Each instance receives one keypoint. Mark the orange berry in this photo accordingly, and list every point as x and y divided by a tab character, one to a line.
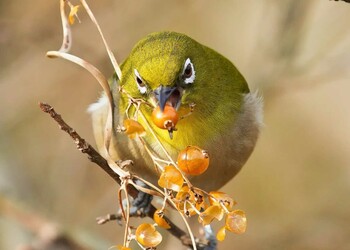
132	128
236	222
147	235
220	236
166	119
158	218
211	213
171	178
217	197
193	160
183	199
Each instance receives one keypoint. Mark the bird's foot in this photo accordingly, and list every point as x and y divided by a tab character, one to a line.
140	206
210	237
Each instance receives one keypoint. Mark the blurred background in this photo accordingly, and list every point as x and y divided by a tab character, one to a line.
295	187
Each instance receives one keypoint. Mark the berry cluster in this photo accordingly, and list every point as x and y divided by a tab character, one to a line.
186	198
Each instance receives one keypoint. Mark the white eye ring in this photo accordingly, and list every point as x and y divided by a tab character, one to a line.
139	82
188	73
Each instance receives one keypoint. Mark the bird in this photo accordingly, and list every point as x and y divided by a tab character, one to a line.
219	112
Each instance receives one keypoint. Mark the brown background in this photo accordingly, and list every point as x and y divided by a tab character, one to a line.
295	188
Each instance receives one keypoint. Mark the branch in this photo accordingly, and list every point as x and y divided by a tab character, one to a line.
348	1
95	157
82	145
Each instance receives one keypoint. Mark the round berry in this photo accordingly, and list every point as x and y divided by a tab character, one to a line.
193	160
166	119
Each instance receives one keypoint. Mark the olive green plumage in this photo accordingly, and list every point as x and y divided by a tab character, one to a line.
226	118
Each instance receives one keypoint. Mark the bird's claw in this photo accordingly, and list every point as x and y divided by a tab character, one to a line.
142	203
210	237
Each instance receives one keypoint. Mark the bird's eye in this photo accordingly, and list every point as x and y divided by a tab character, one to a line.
140	82
188	73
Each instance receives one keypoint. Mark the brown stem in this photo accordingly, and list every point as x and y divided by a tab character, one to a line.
95	157
348	1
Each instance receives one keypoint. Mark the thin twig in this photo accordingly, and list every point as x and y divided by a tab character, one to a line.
67	33
95	157
109	51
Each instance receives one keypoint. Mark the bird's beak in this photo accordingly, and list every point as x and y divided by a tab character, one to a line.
170	95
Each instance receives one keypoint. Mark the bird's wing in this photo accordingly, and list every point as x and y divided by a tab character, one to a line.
99	111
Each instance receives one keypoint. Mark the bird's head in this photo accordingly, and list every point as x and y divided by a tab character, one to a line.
169	68
162	69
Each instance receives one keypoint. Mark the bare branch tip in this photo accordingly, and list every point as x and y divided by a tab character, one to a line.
45	107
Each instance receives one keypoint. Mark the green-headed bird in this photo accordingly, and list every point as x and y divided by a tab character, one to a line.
168	68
